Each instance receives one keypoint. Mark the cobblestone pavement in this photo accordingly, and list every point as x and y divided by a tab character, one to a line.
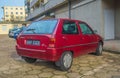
86	66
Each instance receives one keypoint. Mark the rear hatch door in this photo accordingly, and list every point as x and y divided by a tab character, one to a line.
37	42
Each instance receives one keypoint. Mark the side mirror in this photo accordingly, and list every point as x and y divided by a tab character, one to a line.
95	31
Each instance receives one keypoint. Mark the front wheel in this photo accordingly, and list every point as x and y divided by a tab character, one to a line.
65	61
29	60
99	49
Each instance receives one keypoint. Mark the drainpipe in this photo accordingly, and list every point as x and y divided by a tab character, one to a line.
69	8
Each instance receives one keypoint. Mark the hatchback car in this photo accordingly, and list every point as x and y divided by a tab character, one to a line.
58	40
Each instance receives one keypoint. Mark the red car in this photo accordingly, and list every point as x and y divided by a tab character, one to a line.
58	40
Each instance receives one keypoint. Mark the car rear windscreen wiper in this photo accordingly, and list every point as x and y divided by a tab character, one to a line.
33	30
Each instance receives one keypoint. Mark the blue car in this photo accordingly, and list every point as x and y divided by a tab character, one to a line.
11	32
17	32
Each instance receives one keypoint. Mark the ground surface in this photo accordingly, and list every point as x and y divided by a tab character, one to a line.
86	66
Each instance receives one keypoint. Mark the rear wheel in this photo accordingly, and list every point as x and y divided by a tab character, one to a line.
29	60
65	61
99	49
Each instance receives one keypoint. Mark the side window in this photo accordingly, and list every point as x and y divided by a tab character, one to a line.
69	28
85	29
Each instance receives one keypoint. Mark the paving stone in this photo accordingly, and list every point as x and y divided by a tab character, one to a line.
34	72
59	72
73	75
102	75
83	72
75	62
84	65
30	76
10	72
89	73
111	61
114	73
37	67
110	69
83	61
89	76
17	76
59	76
25	69
117	66
48	69
3	76
76	70
45	75
86	68
3	68
15	67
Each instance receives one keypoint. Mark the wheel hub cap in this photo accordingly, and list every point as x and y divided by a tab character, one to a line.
67	60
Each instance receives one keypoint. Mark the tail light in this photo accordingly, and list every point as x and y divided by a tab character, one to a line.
52	42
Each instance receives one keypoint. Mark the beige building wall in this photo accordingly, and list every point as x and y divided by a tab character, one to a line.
14	13
4	28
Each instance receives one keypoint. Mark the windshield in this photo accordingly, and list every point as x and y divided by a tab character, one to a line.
41	27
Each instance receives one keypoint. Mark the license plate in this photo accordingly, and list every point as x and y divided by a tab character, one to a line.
33	42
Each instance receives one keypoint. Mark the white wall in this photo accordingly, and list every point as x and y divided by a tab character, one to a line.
62	12
90	13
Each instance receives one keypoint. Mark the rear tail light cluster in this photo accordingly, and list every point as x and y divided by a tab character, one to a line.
52	42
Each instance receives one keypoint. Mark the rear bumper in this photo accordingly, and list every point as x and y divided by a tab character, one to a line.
51	54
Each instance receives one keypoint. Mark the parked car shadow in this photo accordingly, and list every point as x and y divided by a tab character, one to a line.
44	63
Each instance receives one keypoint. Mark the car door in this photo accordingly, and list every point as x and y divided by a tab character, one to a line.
71	37
89	38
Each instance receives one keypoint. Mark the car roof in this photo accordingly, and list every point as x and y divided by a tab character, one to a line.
68	19
60	19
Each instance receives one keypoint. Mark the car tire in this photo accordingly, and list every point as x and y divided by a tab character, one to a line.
99	49
29	60
65	61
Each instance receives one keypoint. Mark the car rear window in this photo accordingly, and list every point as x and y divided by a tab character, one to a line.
41	27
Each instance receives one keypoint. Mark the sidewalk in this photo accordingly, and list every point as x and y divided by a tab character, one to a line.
112	46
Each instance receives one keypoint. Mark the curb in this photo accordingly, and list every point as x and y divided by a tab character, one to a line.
112	51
